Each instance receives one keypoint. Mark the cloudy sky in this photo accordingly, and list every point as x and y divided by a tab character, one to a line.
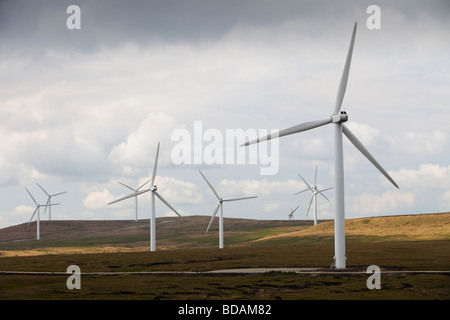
81	110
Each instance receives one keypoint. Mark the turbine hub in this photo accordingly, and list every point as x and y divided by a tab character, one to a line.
339	117
154	188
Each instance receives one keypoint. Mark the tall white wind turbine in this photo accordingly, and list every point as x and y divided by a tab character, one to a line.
220	205
49	200
154	193
38	220
135	197
315	191
337	118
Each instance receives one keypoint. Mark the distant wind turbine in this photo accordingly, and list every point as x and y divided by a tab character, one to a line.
337	118
291	215
135	197
314	191
154	192
220	205
38	206
49	200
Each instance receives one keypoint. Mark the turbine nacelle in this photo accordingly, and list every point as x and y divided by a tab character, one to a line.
154	188
340	117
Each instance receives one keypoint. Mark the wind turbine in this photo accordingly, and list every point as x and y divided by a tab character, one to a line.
154	192
135	197
49	200
220	205
38	206
314	191
337	118
291	215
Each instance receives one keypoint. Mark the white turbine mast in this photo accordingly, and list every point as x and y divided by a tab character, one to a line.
291	215
337	119
154	193
37	209
315	191
135	197
49	200
220	205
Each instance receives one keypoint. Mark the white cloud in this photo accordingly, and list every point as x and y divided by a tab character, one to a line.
176	191
424	189
23	212
370	137
426	176
139	150
98	199
368	204
426	143
253	187
271	206
445	200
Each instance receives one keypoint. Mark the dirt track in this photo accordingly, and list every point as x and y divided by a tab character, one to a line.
243	271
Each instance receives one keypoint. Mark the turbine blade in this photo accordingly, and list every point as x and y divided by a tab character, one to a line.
323	195
210	186
166	203
212	217
57	194
34	200
34	212
306	183
155	166
301	191
143	184
315	176
295	129
236	199
294	210
42	189
47	204
320	191
353	139
309	207
134	194
345	72
127	186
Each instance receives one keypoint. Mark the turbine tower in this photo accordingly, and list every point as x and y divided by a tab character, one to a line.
154	193
220	205
135	197
315	190
37	209
49	201
337	119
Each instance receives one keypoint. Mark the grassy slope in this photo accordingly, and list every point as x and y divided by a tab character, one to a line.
59	237
113	236
400	228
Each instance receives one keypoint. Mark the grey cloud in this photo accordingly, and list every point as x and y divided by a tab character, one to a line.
41	24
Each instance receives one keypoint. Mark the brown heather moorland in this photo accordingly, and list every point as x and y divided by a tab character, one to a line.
400	244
